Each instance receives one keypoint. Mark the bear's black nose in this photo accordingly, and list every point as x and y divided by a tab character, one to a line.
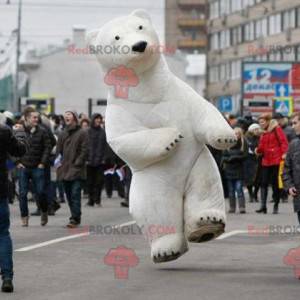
139	47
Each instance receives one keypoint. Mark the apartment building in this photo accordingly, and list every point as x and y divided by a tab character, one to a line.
185	25
243	31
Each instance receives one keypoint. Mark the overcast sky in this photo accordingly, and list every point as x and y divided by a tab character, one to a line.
45	21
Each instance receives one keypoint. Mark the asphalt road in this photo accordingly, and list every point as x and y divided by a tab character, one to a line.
246	263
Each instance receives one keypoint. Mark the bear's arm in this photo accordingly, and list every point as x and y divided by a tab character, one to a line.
210	126
136	144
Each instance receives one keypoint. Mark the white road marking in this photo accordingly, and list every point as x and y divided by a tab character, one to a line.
70	237
51	242
75	236
231	233
126	224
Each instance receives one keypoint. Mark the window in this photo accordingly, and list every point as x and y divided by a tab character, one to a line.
261	28
235	66
289	19
213	74
278	56
275	24
249	31
264	57
214	10
224	39
214	41
236	5
288	53
222	72
236	35
225	7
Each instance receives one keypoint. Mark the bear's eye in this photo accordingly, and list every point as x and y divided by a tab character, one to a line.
141	27
117	37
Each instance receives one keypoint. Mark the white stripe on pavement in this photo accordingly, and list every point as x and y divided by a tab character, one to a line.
75	236
51	242
231	233
126	224
62	239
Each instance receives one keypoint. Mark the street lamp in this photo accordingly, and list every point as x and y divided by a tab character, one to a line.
16	91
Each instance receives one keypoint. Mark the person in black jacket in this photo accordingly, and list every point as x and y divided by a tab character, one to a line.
32	167
233	164
95	162
291	173
252	163
15	146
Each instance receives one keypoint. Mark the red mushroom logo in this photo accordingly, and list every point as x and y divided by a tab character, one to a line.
121	78
121	258
293	259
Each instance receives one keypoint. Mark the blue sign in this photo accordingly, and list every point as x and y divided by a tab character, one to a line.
284	105
225	104
282	90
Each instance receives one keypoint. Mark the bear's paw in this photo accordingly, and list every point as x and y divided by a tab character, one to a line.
168	247
223	143
207	226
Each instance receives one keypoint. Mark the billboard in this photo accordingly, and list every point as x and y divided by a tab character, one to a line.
270	86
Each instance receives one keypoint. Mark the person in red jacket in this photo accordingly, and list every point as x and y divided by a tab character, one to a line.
273	146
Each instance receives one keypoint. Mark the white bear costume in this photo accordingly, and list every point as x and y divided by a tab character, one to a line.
161	131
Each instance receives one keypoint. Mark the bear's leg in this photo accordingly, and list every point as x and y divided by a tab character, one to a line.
157	206
204	204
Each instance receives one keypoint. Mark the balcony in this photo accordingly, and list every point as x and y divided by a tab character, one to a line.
192	44
190	22
192	3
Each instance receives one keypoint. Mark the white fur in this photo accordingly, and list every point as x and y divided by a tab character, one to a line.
180	187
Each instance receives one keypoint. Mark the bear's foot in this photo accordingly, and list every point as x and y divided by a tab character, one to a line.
168	247
208	226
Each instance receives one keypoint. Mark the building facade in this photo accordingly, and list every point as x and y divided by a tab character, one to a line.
185	25
241	31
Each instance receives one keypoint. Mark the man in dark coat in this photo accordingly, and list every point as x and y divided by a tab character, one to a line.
32	167
95	162
14	145
72	151
291	173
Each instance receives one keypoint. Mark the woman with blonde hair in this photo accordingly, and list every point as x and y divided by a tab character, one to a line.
233	165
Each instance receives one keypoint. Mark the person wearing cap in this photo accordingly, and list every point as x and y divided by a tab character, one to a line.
284	124
95	162
252	163
273	146
291	172
71	157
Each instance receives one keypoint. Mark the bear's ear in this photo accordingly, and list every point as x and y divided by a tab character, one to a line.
141	13
91	36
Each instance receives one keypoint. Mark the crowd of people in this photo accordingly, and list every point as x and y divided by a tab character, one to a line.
60	157
267	153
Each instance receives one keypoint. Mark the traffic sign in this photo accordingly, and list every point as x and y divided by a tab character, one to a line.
284	105
225	104
282	90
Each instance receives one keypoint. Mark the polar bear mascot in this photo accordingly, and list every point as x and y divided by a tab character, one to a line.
160	126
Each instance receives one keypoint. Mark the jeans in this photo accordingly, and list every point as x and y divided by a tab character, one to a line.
298	213
73	193
37	177
6	262
235	186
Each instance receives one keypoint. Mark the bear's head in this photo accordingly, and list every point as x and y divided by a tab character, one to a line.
129	41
